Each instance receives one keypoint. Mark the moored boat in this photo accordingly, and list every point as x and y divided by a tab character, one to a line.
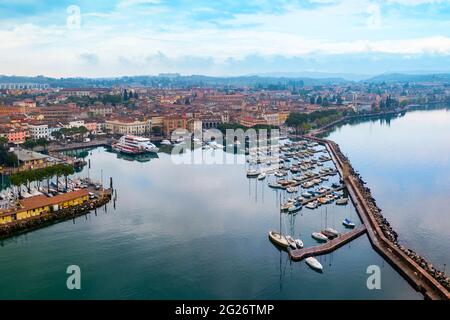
262	176
348	223
278	239
319	237
342	201
299	243
314	263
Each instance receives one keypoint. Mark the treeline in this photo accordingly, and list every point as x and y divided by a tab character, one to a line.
306	121
25	178
223	127
7	159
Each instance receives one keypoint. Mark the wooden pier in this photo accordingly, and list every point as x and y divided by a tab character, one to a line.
328	247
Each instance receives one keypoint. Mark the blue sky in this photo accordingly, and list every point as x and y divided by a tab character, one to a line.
229	37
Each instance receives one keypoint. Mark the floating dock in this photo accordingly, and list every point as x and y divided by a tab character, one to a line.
328	247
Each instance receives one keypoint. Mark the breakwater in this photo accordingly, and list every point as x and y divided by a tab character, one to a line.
425	278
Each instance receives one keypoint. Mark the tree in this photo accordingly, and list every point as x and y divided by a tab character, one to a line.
156	130
67	171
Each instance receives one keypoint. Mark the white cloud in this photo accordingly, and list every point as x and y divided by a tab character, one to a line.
417	2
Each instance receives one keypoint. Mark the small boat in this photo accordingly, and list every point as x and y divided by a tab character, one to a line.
342	202
311	205
296	207
299	243
278	239
330	234
332	231
166	143
291	190
262	176
319	237
275	185
348	223
292	243
287	205
252	173
314	263
306	194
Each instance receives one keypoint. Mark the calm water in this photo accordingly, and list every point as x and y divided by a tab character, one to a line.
188	232
406	163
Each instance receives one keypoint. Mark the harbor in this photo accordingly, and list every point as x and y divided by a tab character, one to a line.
432	283
198	235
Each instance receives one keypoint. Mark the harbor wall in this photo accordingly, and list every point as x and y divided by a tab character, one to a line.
420	274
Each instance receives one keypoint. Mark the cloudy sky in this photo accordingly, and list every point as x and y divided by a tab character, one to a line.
222	37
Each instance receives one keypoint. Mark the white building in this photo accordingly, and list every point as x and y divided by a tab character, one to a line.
75	124
128	127
38	131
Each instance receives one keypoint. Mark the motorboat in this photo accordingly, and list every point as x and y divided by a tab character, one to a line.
291	241
291	190
319	237
348	223
278	239
342	201
312	205
275	185
314	263
262	176
299	243
287	205
166	143
306	194
332	231
252	173
296	207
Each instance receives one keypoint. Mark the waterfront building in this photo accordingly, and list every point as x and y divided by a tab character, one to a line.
251	122
127	126
194	125
41	204
172	123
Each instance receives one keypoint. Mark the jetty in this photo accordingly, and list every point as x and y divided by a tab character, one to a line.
329	246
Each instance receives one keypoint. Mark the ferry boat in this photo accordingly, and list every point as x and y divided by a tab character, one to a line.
134	145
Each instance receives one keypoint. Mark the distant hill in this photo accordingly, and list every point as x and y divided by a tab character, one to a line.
274	83
269	81
401	77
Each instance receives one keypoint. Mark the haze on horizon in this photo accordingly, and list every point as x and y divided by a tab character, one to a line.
223	38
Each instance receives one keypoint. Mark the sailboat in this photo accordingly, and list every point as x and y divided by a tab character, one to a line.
277	238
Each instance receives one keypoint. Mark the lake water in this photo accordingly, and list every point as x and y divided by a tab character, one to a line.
200	232
406	163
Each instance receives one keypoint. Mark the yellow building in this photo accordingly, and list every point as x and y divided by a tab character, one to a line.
38	205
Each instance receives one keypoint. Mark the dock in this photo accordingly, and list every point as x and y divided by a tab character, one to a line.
329	246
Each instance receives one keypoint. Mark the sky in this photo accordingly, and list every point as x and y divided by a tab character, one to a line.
108	38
